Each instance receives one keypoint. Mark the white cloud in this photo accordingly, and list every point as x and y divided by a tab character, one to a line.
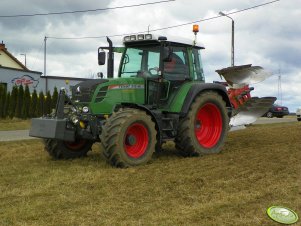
268	36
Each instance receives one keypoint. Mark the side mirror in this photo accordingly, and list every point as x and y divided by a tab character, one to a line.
167	52
101	57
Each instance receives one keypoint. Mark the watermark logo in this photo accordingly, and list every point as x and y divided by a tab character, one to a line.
282	215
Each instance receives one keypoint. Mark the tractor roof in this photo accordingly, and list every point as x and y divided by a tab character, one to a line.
150	38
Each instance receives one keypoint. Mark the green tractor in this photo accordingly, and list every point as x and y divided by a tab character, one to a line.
160	95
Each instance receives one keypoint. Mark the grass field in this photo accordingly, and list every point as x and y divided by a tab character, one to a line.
14	124
258	167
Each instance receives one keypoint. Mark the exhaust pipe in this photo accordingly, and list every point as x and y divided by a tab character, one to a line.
110	70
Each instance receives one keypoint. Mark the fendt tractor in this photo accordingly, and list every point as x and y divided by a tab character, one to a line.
160	95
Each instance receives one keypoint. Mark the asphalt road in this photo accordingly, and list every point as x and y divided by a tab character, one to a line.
264	120
23	134
14	135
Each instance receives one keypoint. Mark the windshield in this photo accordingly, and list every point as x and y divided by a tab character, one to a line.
140	61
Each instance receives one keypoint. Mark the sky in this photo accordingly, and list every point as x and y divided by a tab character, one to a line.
267	36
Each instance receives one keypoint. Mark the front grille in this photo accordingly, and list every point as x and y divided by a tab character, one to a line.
86	89
101	94
83	96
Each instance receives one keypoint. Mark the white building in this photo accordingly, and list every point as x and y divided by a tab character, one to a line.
13	72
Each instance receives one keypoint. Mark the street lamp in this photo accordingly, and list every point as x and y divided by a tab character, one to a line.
24	54
232	41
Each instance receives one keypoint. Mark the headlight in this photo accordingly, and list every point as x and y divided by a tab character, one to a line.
148	36
140	37
78	90
73	109
85	109
126	39
74	119
133	38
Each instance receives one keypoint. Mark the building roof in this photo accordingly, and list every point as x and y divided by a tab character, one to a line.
14	59
17	69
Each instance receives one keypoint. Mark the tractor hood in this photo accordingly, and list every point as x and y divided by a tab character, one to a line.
83	91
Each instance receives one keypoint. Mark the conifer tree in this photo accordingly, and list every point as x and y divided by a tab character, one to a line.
54	98
6	106
33	105
47	108
2	100
40	107
26	103
4	94
19	104
13	101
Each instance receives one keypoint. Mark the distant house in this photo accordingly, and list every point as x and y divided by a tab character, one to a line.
13	72
8	60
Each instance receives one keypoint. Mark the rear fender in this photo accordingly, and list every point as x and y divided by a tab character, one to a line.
196	89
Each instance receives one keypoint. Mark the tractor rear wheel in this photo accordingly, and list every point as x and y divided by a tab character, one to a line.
129	138
59	149
205	127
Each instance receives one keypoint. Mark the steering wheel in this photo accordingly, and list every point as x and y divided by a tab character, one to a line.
155	69
143	74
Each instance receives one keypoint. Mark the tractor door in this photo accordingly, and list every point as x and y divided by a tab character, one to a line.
144	61
157	88
176	70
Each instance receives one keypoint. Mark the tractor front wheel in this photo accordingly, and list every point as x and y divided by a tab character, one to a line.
129	138
59	149
205	127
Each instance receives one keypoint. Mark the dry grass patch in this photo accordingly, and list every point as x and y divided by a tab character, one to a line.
14	124
258	167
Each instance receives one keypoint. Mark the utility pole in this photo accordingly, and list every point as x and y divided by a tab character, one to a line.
279	87
46	82
232	37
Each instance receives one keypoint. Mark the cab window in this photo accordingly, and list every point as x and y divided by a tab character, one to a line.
198	72
131	62
177	68
141	62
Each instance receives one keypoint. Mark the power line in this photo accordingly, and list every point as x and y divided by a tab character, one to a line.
84	11
169	27
215	17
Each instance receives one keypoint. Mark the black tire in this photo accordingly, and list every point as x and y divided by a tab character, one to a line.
196	134
59	149
270	115
129	138
299	119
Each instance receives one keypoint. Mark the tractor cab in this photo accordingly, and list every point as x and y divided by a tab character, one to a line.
164	64
159	57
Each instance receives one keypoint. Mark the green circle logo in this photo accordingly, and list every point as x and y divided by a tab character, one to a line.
282	215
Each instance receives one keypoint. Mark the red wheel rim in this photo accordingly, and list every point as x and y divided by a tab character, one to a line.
208	125
136	140
76	145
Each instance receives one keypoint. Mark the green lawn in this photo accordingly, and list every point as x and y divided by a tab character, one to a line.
258	167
